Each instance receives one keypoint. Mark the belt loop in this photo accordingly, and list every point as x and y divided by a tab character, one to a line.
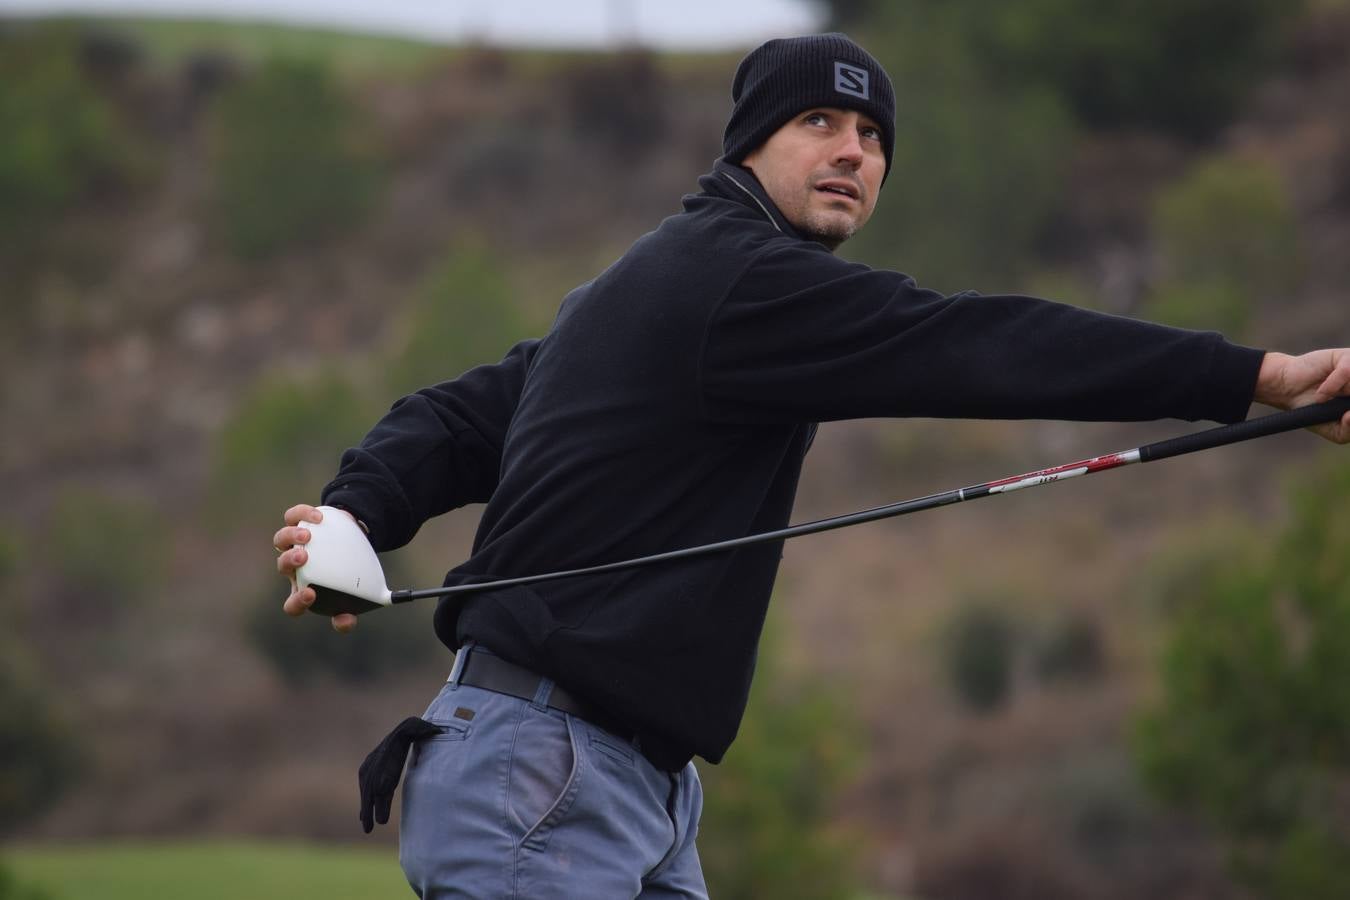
461	659
541	694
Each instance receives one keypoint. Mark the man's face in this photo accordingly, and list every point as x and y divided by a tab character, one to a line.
823	170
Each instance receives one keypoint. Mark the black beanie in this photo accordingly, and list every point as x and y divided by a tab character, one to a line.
787	76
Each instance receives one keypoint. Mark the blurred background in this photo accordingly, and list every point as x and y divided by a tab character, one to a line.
228	244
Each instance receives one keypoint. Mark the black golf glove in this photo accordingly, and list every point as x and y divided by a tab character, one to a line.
383	767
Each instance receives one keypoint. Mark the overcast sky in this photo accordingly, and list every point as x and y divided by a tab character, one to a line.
661	23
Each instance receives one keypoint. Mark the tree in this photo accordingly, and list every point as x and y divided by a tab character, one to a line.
61	137
38	760
1253	728
979	161
766	828
293	161
463	315
1183	68
1229	240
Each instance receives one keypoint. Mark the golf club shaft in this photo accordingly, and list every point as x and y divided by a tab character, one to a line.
1223	435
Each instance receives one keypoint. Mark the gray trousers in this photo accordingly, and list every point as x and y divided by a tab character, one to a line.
516	800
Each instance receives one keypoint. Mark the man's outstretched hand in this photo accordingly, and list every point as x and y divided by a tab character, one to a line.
1288	382
289	542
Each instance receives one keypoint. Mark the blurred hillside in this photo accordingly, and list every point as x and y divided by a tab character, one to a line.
221	259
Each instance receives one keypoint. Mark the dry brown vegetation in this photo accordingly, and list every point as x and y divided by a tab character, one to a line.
141	335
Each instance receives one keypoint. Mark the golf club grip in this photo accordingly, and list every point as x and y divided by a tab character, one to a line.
1290	420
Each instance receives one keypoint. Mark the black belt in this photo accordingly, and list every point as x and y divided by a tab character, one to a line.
492	673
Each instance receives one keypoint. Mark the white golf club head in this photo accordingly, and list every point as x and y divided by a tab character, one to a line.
343	569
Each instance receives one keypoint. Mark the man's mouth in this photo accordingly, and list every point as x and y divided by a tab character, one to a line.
838	187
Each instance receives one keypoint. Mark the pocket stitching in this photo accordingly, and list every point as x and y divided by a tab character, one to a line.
536	838
454	730
612	750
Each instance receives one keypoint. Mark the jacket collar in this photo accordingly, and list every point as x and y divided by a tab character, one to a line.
739	184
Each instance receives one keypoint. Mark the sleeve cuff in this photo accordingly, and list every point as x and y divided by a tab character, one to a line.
363	500
1230	384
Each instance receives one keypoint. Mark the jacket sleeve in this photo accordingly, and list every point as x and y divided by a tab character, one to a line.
435	450
805	336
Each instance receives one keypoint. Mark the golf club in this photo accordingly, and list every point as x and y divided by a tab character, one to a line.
347	577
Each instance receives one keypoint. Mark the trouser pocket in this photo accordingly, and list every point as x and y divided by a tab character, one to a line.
543	777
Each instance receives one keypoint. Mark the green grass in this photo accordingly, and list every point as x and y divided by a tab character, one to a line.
168	41
208	871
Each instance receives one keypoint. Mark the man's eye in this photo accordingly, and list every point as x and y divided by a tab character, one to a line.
815	119
872	134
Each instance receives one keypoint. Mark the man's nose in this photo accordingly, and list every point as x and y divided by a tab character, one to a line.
848	150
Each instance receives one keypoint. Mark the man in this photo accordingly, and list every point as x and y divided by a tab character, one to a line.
671	404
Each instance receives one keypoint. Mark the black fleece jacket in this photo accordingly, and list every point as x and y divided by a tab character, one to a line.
672	403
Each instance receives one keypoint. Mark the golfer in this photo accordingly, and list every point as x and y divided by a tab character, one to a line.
671	404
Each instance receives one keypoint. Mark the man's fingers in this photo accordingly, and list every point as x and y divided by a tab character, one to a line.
302	512
289	542
299	602
1335	384
288	537
1332	365
1341	430
1337	432
290	560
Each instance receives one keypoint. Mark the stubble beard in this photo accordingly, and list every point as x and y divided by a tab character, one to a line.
828	230
828	227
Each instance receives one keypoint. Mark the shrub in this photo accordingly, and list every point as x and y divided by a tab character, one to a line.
1065	286
38	760
988	99
618	102
462	316
1229	220
1228	240
11	552
1016	863
385	642
1253	727
107	552
1070	650
1183	68
765	830
1184	569
1221	674
1309	864
847	14
283	441
1180	67
60	136
978	656
1105	813
1208	307
978	165
292	160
